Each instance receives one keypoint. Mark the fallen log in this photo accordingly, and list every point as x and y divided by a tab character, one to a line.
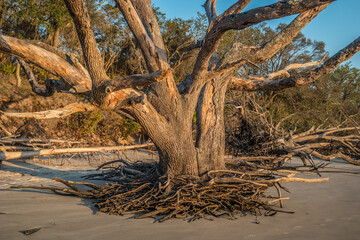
4	156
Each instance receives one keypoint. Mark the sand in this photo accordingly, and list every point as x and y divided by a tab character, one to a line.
328	210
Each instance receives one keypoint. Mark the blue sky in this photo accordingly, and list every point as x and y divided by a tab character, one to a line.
337	25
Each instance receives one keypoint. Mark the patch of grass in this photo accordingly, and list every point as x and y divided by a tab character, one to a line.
8	68
82	124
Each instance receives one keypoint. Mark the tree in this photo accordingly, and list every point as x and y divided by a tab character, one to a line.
165	110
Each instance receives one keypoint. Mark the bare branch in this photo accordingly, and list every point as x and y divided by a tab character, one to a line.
138	80
210	9
49	61
235	8
138	29
143	23
48	114
287	35
275	85
241	21
4	156
50	84
94	62
149	20
273	11
284	72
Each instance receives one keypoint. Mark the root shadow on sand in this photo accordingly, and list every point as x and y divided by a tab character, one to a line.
137	189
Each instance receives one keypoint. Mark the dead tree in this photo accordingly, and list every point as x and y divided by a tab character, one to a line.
165	110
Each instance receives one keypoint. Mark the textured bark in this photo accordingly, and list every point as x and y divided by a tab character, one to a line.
148	19
49	61
240	21
56	36
94	62
164	110
50	84
268	84
210	136
172	138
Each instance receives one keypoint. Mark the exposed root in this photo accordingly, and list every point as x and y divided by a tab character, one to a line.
140	191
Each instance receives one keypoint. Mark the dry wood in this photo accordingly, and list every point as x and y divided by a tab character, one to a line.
47	60
262	84
51	85
164	112
147	45
81	18
184	196
4	156
62	112
240	21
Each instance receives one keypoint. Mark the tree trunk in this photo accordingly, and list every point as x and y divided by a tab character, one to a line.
210	136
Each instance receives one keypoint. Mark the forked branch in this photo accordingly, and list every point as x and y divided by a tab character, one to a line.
258	54
240	21
146	44
50	84
268	84
48	60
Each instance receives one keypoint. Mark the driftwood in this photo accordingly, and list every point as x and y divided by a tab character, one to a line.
4	156
266	142
48	114
325	144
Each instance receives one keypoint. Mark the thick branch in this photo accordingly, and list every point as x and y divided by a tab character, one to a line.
146	44
143	24
149	20
274	85
94	62
138	80
235	8
49	61
241	21
287	35
210	9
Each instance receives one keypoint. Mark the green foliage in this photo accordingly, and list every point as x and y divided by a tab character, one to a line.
32	19
84	124
8	68
327	102
178	33
127	127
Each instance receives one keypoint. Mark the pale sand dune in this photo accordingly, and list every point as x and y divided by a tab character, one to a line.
322	211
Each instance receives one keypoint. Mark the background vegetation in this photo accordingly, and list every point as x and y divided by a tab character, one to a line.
332	100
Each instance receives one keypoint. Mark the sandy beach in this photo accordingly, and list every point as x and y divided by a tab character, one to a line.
328	210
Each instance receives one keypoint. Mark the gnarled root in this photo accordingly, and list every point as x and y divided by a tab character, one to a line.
139	190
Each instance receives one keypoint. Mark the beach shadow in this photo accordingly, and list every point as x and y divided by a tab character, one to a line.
90	204
42	171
